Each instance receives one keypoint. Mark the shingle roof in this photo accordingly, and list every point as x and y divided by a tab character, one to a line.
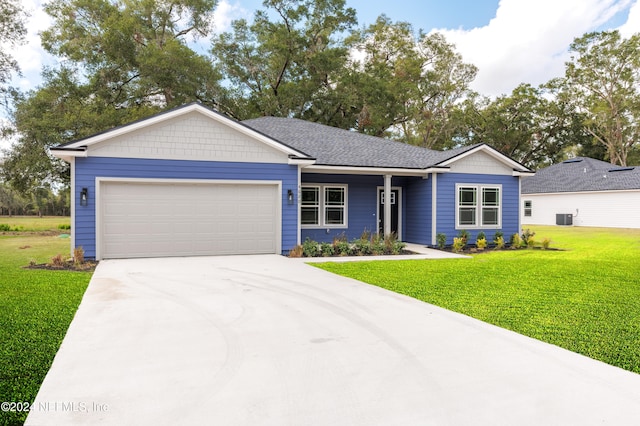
338	147
582	174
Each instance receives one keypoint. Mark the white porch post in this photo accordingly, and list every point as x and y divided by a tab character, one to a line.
387	204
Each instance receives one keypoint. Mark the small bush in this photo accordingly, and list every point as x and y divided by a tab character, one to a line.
361	247
378	244
498	234
58	261
499	242
78	255
516	242
392	245
326	249
341	245
458	244
481	243
309	248
297	251
481	236
5	227
64	226
527	234
546	242
441	239
530	242
464	235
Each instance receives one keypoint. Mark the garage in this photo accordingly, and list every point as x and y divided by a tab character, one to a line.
145	218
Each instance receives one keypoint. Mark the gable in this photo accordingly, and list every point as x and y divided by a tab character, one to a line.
480	162
191	136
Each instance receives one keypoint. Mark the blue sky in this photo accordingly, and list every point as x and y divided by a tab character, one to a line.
510	41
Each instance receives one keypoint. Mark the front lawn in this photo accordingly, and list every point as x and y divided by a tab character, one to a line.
585	299
36	307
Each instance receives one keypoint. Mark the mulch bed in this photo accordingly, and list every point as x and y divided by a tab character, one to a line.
86	266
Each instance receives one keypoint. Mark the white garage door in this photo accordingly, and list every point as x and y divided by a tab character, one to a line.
140	219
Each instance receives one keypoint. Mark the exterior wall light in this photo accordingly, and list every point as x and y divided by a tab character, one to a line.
84	196
290	196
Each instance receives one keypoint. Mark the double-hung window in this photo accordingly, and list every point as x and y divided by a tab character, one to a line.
478	206
324	206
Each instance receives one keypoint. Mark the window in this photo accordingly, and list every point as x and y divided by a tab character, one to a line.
323	206
527	208
310	209
478	206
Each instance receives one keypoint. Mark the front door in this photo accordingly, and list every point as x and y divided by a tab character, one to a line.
395	203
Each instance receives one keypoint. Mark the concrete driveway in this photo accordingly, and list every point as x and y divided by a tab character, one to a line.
266	340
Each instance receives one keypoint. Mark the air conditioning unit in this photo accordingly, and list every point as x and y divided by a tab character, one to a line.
565	219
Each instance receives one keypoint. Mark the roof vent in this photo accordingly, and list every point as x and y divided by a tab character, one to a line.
572	160
622	169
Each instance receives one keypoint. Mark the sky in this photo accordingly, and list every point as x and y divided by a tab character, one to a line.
510	41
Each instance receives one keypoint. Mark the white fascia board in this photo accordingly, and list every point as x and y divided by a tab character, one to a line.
354	170
602	191
523	174
67	154
301	161
128	128
490	151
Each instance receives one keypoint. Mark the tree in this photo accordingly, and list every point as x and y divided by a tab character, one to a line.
285	63
603	80
531	125
12	31
122	60
408	86
135	51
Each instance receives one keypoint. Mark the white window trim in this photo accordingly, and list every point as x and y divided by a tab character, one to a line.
321	213
478	188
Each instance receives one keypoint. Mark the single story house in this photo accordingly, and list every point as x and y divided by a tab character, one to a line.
583	191
191	181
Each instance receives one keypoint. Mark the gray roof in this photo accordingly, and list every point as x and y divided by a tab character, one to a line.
338	147
582	174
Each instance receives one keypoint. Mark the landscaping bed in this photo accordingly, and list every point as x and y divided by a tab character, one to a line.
367	245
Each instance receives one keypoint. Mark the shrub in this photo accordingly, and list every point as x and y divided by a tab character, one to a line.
64	226
526	234
326	249
499	242
481	243
5	227
362	247
464	235
297	251
498	234
481	236
392	245
458	244
309	248
546	242
530	242
441	239
341	245
78	255
58	261
516	242
378	244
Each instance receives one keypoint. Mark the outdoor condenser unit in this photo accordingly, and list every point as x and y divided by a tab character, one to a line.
564	219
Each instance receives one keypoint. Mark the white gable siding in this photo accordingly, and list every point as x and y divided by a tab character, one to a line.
611	209
189	137
480	163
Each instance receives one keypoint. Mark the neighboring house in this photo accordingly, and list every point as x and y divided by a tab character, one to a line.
583	192
191	181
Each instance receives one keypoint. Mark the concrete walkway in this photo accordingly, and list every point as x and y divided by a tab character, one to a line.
421	252
266	340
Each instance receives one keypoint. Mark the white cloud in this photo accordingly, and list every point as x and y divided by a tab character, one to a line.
632	26
225	13
527	41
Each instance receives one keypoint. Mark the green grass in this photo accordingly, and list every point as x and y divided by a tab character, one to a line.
585	299
34	223
36	307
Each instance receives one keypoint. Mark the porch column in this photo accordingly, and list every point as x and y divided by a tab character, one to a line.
387	204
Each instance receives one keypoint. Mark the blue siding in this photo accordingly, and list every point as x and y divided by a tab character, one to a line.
417	226
87	169
446	214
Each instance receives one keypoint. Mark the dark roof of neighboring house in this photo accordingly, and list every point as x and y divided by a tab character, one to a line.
339	147
582	174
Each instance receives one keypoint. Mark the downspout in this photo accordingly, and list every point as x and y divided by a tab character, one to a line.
297	201
72	199
434	207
